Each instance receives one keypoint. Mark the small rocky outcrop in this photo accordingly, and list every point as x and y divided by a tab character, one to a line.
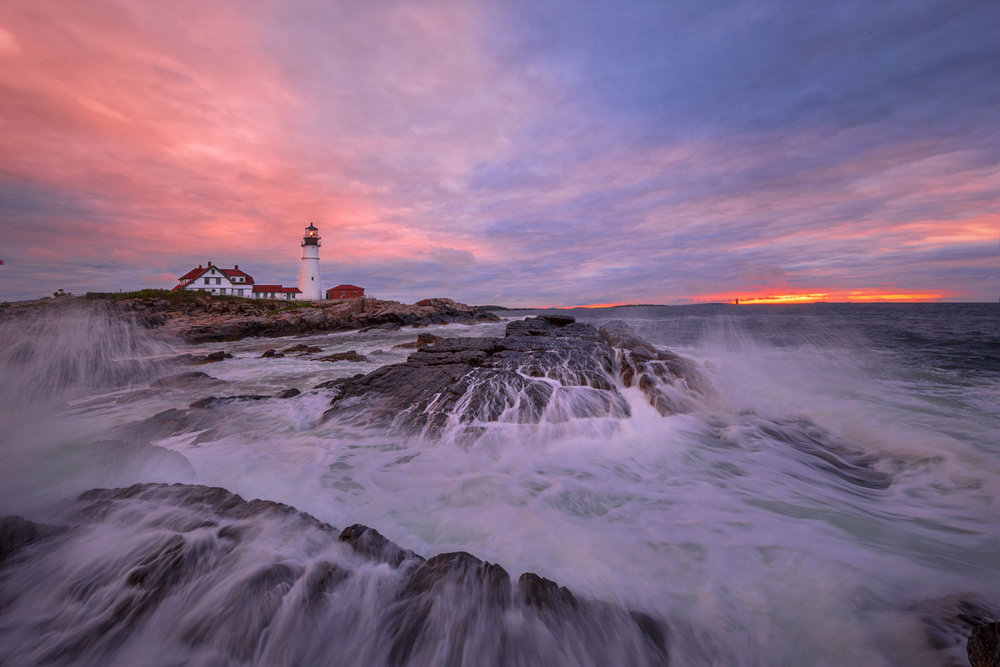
544	368
423	340
302	349
271	354
350	355
983	646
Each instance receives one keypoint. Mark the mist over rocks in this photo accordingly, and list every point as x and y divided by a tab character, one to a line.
205	320
263	582
549	367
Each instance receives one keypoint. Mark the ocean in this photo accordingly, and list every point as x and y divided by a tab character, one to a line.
836	503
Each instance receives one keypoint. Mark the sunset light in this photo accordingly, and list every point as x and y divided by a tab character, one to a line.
463	149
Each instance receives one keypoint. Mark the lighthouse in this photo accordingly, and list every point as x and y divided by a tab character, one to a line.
309	269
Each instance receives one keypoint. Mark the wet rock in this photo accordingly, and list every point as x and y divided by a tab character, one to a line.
289	393
225	562
374	545
950	624
271	354
305	349
350	355
536	591
983	646
214	357
423	340
672	383
15	532
476	380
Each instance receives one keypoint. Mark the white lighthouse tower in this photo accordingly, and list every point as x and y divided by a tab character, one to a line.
309	270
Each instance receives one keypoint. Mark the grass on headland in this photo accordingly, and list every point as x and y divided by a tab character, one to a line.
181	297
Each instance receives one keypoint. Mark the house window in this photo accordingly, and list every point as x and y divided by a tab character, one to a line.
218	281
222	291
206	281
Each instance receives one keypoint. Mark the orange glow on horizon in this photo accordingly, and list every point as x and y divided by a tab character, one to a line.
596	305
838	297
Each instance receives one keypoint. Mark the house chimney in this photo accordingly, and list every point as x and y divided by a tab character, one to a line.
236	266
209	265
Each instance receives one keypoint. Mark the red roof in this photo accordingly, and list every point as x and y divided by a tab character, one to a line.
275	288
233	273
192	274
229	273
347	287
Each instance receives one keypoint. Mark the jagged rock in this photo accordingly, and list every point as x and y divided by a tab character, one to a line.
374	545
543	593
983	646
344	356
667	379
475	380
271	354
289	393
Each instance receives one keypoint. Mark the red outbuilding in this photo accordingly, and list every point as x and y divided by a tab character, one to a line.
345	292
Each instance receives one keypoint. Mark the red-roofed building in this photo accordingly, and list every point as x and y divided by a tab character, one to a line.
345	292
275	292
215	280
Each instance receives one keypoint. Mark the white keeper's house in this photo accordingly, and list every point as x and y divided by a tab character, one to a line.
231	282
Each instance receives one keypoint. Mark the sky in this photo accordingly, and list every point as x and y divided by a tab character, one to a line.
507	152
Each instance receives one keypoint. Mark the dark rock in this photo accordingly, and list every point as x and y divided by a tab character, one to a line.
983	646
337	383
344	356
289	393
307	349
269	354
224	560
15	532
535	591
203	402
951	622
489	379
374	545
671	382
423	340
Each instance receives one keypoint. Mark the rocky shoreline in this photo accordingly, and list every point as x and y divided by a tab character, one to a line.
209	320
205	548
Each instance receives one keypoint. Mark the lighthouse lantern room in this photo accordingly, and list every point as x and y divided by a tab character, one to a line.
309	284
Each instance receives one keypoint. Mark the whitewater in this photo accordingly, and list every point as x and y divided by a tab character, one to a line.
834	502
